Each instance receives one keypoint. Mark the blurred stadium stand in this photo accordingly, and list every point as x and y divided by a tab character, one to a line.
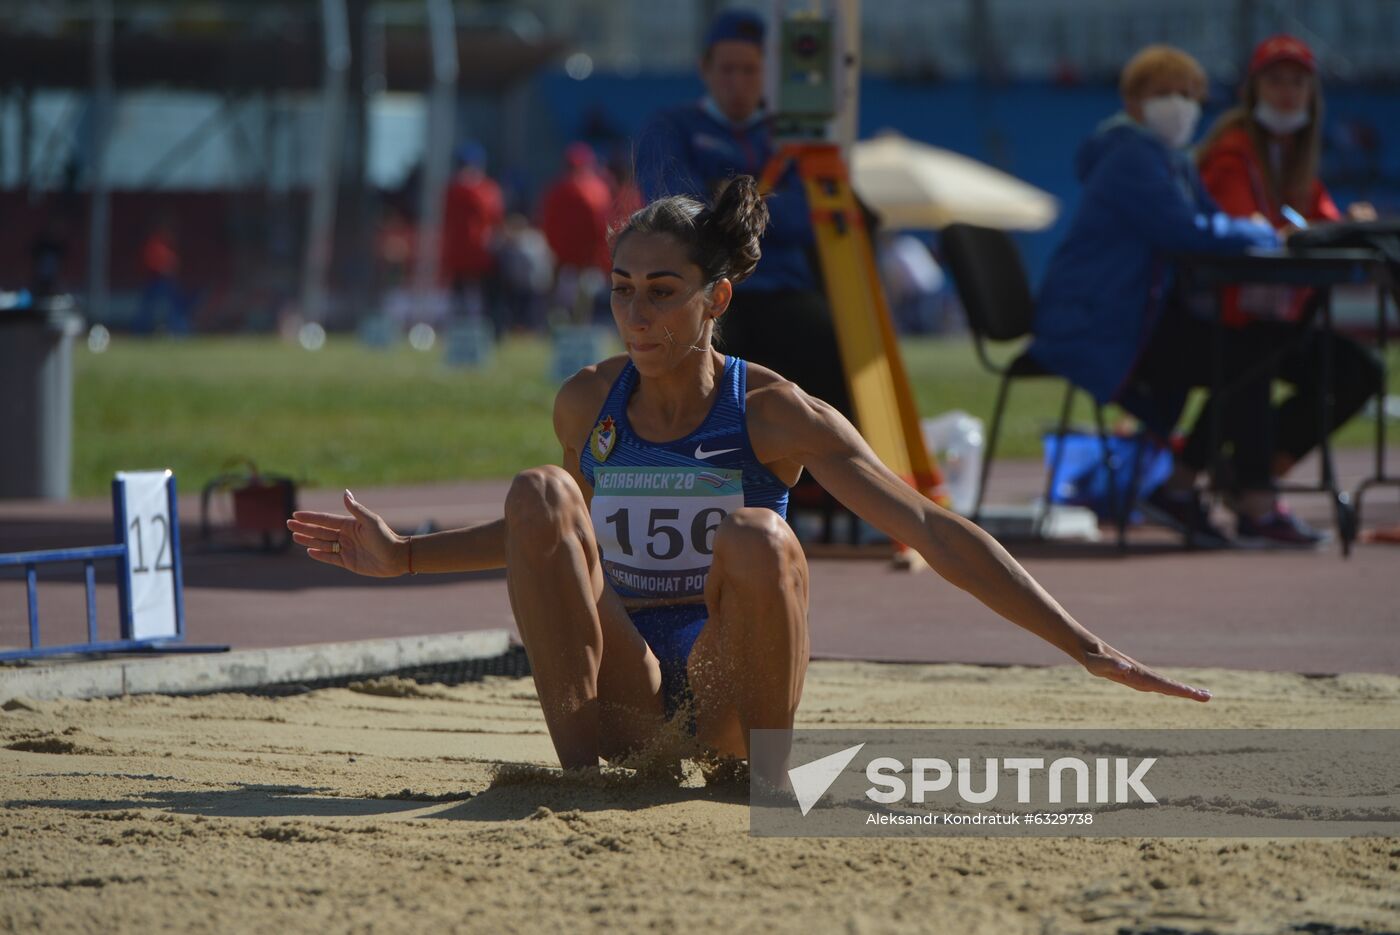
217	110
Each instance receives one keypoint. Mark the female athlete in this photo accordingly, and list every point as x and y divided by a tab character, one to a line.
654	571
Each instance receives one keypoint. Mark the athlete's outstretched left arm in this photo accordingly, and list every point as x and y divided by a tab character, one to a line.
787	424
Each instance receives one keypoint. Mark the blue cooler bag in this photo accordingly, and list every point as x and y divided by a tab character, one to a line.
1083	478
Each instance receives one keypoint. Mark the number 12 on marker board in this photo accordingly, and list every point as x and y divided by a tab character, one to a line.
146	522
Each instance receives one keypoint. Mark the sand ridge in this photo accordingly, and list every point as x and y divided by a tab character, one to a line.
396	807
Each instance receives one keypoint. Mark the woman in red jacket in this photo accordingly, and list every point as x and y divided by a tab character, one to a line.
1259	159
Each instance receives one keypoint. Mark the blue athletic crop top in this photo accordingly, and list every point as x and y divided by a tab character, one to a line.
656	505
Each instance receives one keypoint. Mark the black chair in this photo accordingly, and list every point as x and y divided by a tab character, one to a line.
996	296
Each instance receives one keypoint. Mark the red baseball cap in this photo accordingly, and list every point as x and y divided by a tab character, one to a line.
1281	48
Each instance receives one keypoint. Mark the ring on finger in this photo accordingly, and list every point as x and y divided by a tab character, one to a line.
335	547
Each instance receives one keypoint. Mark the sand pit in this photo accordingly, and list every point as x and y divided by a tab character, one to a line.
398	807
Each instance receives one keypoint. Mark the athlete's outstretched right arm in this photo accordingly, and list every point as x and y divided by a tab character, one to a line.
363	543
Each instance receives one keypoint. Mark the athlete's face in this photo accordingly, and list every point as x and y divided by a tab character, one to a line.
660	304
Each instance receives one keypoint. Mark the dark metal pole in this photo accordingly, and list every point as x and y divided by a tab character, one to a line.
437	152
983	39
360	200
321	226
100	219
1244	33
26	133
4	106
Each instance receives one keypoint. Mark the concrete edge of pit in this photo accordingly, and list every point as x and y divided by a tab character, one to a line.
244	669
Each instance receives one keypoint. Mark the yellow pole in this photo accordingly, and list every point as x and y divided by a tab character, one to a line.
883	401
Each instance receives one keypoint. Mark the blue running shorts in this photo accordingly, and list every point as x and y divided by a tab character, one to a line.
671	631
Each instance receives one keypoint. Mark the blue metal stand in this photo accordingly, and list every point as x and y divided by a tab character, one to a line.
120	553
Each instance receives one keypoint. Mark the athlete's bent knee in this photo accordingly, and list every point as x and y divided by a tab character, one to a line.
542	500
753	538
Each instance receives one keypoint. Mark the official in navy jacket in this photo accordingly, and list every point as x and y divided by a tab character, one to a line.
779	316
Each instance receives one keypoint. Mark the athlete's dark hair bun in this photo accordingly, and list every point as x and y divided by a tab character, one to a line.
722	239
736	223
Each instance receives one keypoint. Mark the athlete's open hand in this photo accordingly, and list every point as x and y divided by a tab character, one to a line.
361	542
1106	662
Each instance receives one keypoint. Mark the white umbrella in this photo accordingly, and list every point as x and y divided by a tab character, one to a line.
915	186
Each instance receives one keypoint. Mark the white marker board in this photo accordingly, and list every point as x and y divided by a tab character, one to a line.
145	511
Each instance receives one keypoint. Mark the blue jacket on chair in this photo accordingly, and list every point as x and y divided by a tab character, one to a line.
1104	289
691	148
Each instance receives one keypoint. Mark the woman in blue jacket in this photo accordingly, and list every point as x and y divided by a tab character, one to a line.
1108	319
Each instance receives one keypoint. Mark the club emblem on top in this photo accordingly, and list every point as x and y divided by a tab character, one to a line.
603	438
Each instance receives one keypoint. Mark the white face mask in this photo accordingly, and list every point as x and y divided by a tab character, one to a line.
1281	122
1172	118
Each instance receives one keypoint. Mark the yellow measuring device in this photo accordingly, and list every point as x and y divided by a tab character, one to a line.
881	398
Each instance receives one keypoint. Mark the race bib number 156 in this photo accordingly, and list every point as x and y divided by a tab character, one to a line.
656	526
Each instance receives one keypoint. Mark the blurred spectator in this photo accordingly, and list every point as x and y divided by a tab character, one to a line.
527	273
913	283
471	220
1259	158
779	316
574	217
162	298
1107	320
1250	169
1263	155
